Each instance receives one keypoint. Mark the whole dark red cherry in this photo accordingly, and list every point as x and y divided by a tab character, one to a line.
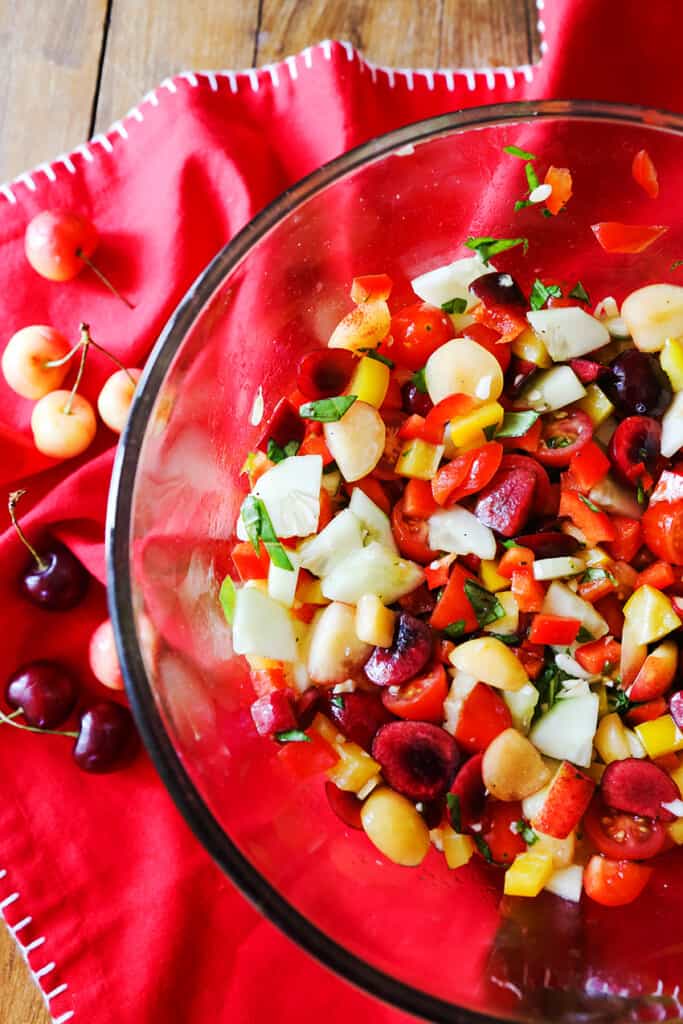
415	401
107	738
56	580
45	691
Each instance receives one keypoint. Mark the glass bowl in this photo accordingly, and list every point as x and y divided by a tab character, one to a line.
440	944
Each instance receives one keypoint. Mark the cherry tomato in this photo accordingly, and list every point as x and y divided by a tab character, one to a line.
623	836
490	340
412	536
663	530
422	698
564	437
614	883
499	817
645	173
418	330
325	372
467	473
58	243
616	237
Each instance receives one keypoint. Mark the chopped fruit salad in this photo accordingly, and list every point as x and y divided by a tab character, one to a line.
459	575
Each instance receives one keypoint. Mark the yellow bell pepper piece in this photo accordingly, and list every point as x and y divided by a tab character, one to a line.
675	830
491	578
530	347
650	614
463	428
419	460
328	731
370	381
458	849
354	769
660	736
528	874
596	404
671	358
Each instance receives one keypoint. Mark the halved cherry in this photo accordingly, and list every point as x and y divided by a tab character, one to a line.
470	791
283	426
519	374
639	787
417	759
504	305
325	372
358	716
564	437
422	698
635	450
345	805
587	370
549	544
408	654
506	504
621	835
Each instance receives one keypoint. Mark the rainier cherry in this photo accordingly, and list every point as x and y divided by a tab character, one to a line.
59	244
104	660
63	422
35	361
115	398
57	581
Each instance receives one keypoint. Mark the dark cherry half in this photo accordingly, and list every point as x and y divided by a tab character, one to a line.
418	759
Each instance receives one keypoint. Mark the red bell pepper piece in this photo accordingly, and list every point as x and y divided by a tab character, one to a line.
589	466
308	758
515	558
508	322
436	573
374	491
645	173
418	500
567	800
554	629
598	653
659	575
412	428
595	525
528	592
629	538
273	712
371	288
249	565
467	473
454	605
595	590
442	413
560	180
532	658
484	715
611	610
314	444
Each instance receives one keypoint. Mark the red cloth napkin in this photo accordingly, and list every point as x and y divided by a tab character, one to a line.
122	915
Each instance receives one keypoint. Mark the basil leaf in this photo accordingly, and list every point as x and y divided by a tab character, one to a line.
521	153
540	293
640	494
509	639
337	701
510	544
521	204
372	353
488	247
531	177
485	605
251	517
291	448
292	736
546	212
558	441
453	801
418	379
516	424
259	527
455	629
525	830
548	685
276	454
483	847
589	503
490	432
676	264
454	306
618	701
226	596
596	575
583	636
579	292
327	410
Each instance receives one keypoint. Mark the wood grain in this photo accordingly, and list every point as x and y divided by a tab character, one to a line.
149	41
20	1000
50	55
479	33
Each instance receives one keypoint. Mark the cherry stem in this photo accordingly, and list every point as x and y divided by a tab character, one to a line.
85	343
107	353
8	720
65	359
12	502
105	281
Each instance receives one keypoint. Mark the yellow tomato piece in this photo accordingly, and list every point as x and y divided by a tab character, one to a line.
610	740
370	381
528	874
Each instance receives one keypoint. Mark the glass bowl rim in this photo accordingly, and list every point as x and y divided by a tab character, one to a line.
168	764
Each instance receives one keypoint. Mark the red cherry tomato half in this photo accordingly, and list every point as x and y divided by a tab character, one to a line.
421	699
663	530
614	883
418	330
325	372
412	536
616	237
645	173
490	340
503	843
564	437
623	836
467	473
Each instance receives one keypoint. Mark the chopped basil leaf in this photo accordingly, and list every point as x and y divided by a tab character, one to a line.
579	292
583	636
453	801
485	605
490	432
372	353
589	504
548	685
521	153
259	527
276	454
249	463
251	517
524	829
521	204
330	468
596	575
510	544
483	847
418	379
454	306
676	264
337	701
488	247
540	293
226	596
292	736
640	494
558	441
531	177
455	629
327	410
619	702
509	639
546	213
516	424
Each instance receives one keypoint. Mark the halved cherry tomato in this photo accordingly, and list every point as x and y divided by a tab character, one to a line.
560	180
663	530
442	413
249	565
467	473
422	698
623	836
411	536
563	438
645	173
418	330
490	340
614	883
371	288
483	716
497	824
616	237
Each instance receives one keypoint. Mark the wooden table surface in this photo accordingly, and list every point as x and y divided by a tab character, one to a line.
71	68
